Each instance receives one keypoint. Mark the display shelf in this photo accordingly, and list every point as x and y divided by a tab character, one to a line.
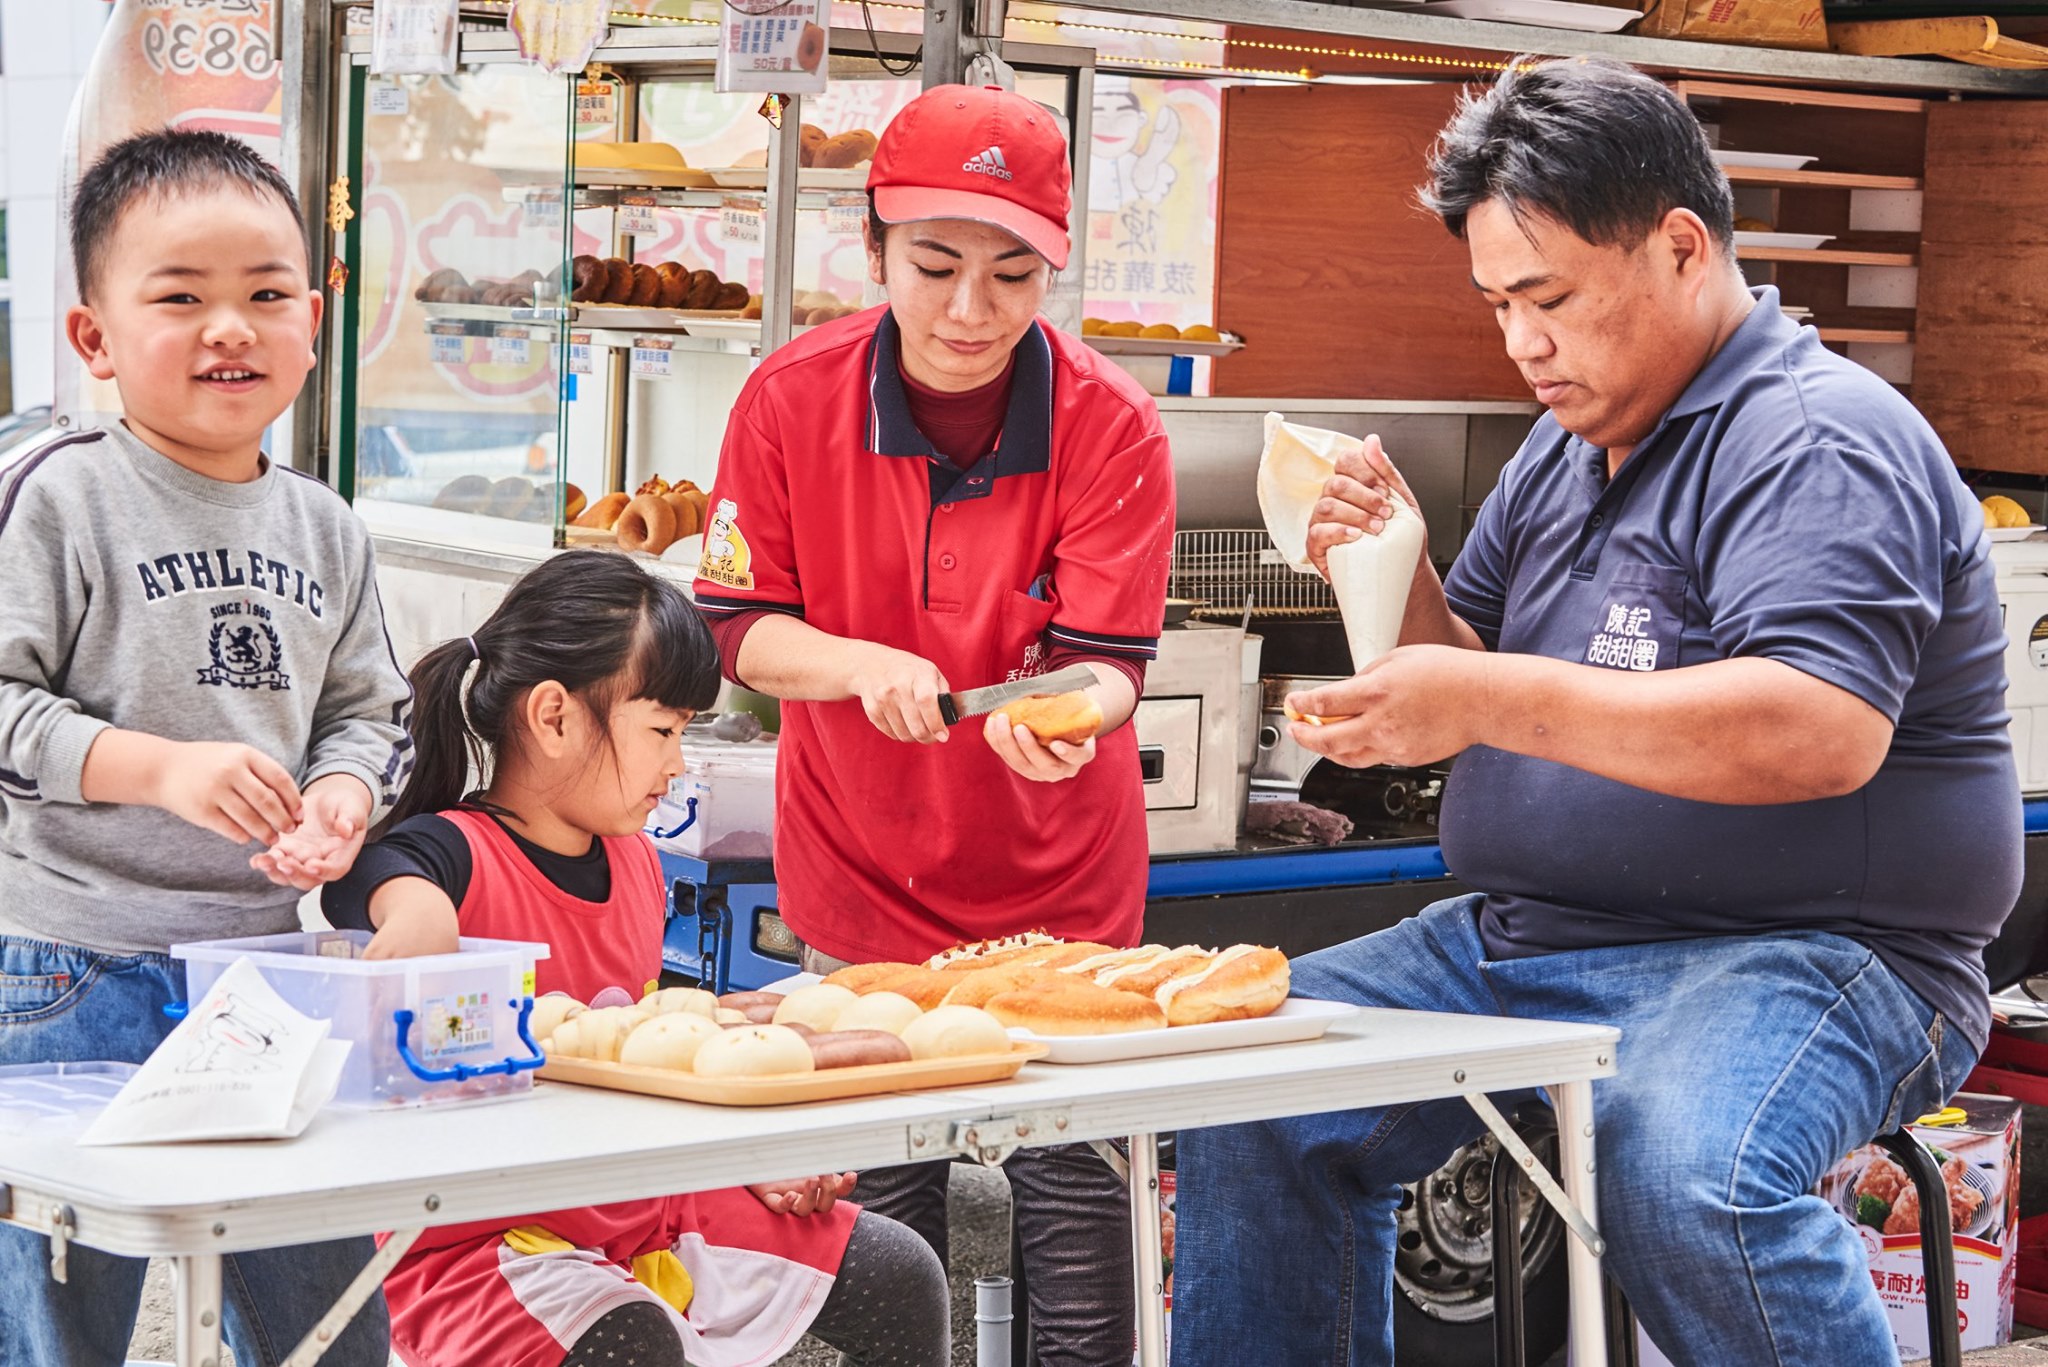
1857	249
1892	327
1819	180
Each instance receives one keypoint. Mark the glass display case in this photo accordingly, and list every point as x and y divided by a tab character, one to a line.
559	284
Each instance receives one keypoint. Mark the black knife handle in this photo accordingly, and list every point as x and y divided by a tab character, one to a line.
947	710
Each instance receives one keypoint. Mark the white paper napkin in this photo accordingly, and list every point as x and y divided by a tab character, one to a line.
242	1065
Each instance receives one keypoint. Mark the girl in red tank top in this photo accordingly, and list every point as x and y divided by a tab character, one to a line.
571	702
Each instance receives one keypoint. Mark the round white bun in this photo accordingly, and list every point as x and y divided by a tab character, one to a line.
668	1041
754	1051
694	1000
953	1031
891	1011
817	1006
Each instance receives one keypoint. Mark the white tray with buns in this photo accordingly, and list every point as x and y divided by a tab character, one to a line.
788	1089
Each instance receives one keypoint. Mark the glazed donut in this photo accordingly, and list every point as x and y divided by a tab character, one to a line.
646	287
1071	717
605	512
809	139
675	284
648	524
810	47
731	295
618	287
588	279
1241	983
689	515
703	289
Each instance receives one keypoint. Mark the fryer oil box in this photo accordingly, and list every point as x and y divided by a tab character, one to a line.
723	806
431	1030
1980	1162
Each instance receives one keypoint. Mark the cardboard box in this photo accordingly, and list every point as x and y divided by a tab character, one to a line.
1981	1164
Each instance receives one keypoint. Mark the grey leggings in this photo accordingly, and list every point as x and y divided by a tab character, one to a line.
888	1308
1073	1218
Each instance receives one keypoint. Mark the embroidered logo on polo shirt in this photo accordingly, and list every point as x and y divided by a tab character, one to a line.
726	560
989	163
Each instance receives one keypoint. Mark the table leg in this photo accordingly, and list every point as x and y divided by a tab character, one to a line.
1574	1103
1147	1262
195	1284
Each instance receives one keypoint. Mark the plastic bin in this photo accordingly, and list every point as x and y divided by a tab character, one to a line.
436	1029
723	806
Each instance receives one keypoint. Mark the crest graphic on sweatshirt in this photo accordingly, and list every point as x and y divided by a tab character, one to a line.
245	655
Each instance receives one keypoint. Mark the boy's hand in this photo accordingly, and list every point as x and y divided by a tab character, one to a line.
335	816
805	1195
235	791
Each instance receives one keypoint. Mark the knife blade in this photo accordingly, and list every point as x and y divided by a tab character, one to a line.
979	702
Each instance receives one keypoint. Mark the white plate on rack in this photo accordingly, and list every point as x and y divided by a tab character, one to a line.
1539	13
1792	241
809	178
619	316
477	313
1762	161
2013	533
1160	346
625	178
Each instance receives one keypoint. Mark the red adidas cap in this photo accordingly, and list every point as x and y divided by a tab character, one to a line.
982	154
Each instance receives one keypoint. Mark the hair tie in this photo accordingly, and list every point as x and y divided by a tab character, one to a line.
475	654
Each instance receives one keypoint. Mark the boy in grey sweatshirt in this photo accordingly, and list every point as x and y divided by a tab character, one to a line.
200	714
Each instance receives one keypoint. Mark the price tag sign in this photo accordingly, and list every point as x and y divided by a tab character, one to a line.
580	362
636	216
740	219
510	349
388	97
543	208
450	348
653	358
773	48
596	104
846	213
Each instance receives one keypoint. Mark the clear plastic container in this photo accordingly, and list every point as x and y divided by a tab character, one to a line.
436	1029
723	807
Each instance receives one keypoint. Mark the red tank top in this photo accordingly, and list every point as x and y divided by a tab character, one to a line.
591	945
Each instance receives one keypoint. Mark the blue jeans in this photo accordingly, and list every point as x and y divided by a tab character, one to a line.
62	1004
1747	1067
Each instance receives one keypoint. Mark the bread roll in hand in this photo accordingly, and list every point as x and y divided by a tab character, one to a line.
1071	717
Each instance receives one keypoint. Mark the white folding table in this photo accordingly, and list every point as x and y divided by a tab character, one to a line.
357	1172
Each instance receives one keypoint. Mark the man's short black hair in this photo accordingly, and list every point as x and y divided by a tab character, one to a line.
1592	144
156	166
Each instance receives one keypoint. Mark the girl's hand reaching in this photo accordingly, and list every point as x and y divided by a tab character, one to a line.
413	917
805	1195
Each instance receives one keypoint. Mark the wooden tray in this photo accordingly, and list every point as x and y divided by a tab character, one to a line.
829	1084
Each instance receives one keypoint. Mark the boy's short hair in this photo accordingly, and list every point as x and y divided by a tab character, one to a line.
159	165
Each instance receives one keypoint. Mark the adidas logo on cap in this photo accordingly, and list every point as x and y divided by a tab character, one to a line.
989	163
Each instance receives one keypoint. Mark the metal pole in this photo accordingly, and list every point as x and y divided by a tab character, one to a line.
992	1321
1147	1258
778	253
195	1284
945	43
1574	1104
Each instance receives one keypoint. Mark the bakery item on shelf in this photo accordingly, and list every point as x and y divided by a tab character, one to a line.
754	1051
1092	327
694	1000
955	1032
810	138
1123	328
689	505
1160	332
573	503
1200	332
509	497
703	288
863	978
653	484
752	308
464	494
850	148
817	1005
443	286
670	1041
549	1012
1071	717
648	524
856	1048
731	295
1241	983
2001	512
605	512
646	287
988	953
1076	1007
630	156
675	284
979	986
588	279
891	1011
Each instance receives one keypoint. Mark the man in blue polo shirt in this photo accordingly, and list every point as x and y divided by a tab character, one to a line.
1721	664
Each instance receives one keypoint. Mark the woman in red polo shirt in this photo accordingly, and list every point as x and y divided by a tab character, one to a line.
932	496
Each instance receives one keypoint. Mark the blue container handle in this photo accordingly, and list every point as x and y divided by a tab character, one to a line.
689	805
462	1072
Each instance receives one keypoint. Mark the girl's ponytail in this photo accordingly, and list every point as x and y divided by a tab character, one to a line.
443	745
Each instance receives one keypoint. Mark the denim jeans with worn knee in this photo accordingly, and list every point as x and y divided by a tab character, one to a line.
63	1004
1747	1066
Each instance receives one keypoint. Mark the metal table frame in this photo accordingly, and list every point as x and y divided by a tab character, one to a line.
358	1172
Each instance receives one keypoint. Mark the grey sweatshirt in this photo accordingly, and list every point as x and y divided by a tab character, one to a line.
137	594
